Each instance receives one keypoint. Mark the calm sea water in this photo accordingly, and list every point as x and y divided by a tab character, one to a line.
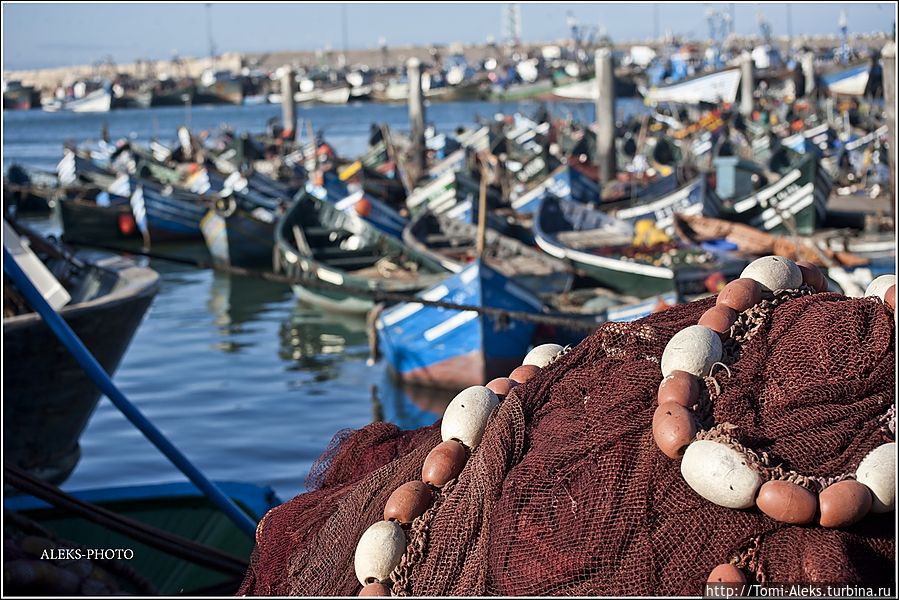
247	382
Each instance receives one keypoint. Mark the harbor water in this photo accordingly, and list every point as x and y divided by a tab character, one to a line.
250	384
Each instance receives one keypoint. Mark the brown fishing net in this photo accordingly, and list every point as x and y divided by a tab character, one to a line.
568	494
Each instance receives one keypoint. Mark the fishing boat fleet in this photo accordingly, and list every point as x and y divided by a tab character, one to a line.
506	232
669	70
456	251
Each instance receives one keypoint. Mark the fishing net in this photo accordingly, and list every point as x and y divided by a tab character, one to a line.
568	493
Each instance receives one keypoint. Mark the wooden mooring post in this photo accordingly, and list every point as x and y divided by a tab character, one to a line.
605	116
416	117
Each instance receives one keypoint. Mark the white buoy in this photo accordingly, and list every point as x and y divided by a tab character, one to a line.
720	474
878	472
379	551
542	355
774	273
693	349
880	285
466	416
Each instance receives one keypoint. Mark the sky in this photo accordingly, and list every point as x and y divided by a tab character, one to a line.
39	35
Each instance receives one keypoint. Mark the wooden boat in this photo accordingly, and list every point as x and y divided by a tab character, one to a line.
317	241
47	397
603	247
239	229
377	213
166	213
439	347
846	80
29	190
691	199
95	216
176	508
794	201
448	348
718	86
452	243
752	242
20	97
99	100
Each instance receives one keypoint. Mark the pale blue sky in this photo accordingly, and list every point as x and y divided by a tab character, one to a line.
40	35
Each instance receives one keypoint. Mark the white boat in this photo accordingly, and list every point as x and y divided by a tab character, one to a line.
848	81
340	95
97	101
719	86
579	90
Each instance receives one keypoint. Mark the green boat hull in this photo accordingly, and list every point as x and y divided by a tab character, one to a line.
175	508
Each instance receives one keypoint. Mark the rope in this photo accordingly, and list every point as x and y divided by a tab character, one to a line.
169	543
309	282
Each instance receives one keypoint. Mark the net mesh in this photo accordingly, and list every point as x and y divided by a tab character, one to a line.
568	494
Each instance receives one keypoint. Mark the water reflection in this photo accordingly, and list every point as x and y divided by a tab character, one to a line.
235	302
318	341
409	407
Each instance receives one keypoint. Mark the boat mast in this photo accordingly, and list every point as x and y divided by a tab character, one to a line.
209	39
844	43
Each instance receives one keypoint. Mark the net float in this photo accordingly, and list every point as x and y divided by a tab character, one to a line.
740	294
466	416
787	502
374	589
843	503
379	551
774	273
444	463
501	386
408	502
880	285
542	355
719	319
812	276
679	387
720	474
524	373
877	472
693	349
673	428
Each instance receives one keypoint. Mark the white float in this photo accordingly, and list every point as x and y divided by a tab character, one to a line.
542	355
466	416
379	551
880	285
720	474
693	349
774	273
878	472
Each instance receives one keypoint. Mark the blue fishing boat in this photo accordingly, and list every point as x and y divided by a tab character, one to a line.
166	213
453	243
377	213
847	80
450	348
239	228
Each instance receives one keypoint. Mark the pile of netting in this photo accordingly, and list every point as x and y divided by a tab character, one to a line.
568	494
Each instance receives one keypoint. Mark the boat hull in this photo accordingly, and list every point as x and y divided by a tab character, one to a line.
178	508
239	240
84	221
48	399
797	202
438	347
